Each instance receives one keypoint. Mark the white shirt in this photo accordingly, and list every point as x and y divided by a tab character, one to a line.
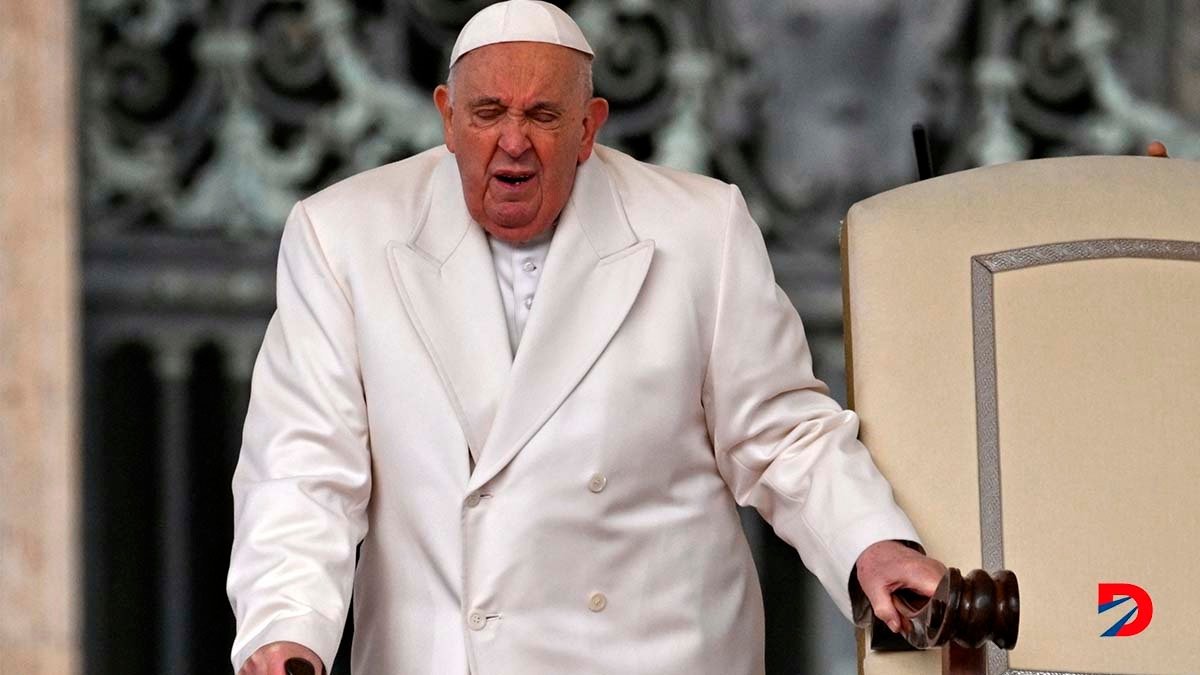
518	269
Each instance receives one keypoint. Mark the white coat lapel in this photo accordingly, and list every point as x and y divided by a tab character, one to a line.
446	279
594	270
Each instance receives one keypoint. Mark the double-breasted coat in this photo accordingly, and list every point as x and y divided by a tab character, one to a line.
567	510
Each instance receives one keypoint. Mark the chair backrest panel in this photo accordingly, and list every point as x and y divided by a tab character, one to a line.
1024	350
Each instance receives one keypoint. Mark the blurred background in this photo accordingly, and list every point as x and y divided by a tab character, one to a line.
183	131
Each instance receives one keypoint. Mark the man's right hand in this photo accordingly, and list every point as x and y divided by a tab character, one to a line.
269	659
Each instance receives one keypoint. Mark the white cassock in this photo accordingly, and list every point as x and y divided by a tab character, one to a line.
571	510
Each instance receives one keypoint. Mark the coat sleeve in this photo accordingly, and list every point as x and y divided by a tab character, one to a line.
303	478
782	444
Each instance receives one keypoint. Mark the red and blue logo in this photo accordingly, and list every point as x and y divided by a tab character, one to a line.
1118	595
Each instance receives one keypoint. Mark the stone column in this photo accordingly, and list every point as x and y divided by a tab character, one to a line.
173	366
40	570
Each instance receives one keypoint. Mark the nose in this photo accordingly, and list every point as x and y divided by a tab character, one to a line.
514	140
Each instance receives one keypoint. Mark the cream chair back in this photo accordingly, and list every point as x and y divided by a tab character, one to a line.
1023	347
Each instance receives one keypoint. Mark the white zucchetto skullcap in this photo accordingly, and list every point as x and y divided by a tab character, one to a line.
519	21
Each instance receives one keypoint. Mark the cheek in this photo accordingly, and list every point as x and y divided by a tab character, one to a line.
472	141
560	156
559	150
474	154
556	190
472	167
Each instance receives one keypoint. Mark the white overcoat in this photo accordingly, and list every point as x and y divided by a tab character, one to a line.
571	510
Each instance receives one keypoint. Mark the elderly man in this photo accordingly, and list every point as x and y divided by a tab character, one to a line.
534	377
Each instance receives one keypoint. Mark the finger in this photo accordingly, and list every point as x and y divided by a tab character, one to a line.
278	664
259	664
884	608
1156	149
925	576
253	666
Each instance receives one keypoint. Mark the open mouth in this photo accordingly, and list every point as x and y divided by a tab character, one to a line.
513	178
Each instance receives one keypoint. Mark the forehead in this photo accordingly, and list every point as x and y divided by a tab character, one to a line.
519	70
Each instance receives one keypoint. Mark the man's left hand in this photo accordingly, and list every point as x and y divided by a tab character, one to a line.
888	566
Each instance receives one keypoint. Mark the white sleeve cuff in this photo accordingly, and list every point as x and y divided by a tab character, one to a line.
311	630
851	542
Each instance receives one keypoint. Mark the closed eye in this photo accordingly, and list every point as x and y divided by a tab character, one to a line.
489	113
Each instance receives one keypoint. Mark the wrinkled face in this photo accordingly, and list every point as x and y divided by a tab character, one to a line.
519	122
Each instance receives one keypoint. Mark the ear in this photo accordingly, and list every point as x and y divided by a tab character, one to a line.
594	117
441	98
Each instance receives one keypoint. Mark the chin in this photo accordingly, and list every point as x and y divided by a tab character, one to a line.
516	233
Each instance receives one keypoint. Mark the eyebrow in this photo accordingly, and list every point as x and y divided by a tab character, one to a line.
484	101
545	105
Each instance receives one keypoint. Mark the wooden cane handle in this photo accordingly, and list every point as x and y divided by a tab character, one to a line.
969	611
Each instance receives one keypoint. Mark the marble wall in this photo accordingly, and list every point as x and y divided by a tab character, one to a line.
40	565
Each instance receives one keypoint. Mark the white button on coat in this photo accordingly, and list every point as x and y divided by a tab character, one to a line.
476	621
473	499
597	482
597	602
